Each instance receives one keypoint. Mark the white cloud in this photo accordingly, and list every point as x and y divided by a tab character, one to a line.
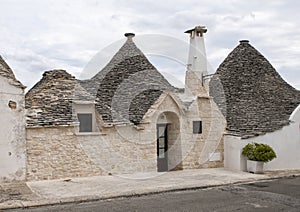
36	36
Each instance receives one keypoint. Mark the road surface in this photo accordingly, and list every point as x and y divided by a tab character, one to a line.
276	195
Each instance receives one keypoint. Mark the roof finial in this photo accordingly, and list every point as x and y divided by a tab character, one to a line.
244	41
129	35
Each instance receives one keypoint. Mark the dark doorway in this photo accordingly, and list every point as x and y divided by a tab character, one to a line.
162	147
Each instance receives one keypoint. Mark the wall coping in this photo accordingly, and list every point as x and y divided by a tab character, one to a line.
89	133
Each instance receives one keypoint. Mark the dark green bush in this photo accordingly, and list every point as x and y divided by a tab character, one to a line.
259	152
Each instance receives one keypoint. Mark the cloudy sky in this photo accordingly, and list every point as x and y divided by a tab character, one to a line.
36	36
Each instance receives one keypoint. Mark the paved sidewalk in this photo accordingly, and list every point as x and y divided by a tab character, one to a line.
105	187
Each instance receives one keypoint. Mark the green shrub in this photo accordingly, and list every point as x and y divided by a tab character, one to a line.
259	152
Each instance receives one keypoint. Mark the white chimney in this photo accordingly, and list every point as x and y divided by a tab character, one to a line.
197	62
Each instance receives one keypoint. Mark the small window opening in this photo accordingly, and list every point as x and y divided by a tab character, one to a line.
197	127
86	122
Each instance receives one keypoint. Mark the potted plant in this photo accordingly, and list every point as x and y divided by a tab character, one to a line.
257	155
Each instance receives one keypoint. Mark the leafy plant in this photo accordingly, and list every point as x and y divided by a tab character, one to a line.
259	152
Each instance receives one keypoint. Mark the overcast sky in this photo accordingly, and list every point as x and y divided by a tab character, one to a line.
36	36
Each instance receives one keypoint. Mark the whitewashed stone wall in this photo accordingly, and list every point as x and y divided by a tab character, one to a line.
12	132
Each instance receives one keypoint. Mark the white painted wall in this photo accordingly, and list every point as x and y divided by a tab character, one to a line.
296	115
197	54
12	133
232	152
285	142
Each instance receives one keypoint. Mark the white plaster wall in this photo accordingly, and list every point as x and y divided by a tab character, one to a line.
12	133
232	152
296	115
285	142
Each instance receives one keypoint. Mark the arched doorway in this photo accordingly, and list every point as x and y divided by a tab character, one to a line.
168	142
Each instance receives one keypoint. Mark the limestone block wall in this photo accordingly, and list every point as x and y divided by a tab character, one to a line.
205	149
12	132
193	83
122	149
60	152
168	111
188	150
174	143
55	152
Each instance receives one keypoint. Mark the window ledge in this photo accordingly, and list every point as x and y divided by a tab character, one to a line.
89	133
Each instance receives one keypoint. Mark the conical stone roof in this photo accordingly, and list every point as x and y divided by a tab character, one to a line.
251	94
127	86
6	72
122	91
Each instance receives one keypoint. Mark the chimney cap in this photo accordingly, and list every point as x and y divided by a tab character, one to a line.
199	29
129	35
244	41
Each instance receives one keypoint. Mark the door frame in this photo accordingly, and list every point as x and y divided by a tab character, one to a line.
162	159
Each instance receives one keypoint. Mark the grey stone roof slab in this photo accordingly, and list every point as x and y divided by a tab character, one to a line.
49	102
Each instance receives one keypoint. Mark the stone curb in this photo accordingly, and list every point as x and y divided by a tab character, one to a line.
90	198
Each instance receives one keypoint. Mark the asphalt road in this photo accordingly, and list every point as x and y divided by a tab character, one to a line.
276	195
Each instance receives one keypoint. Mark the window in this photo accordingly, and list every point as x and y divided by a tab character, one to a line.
197	127
86	122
